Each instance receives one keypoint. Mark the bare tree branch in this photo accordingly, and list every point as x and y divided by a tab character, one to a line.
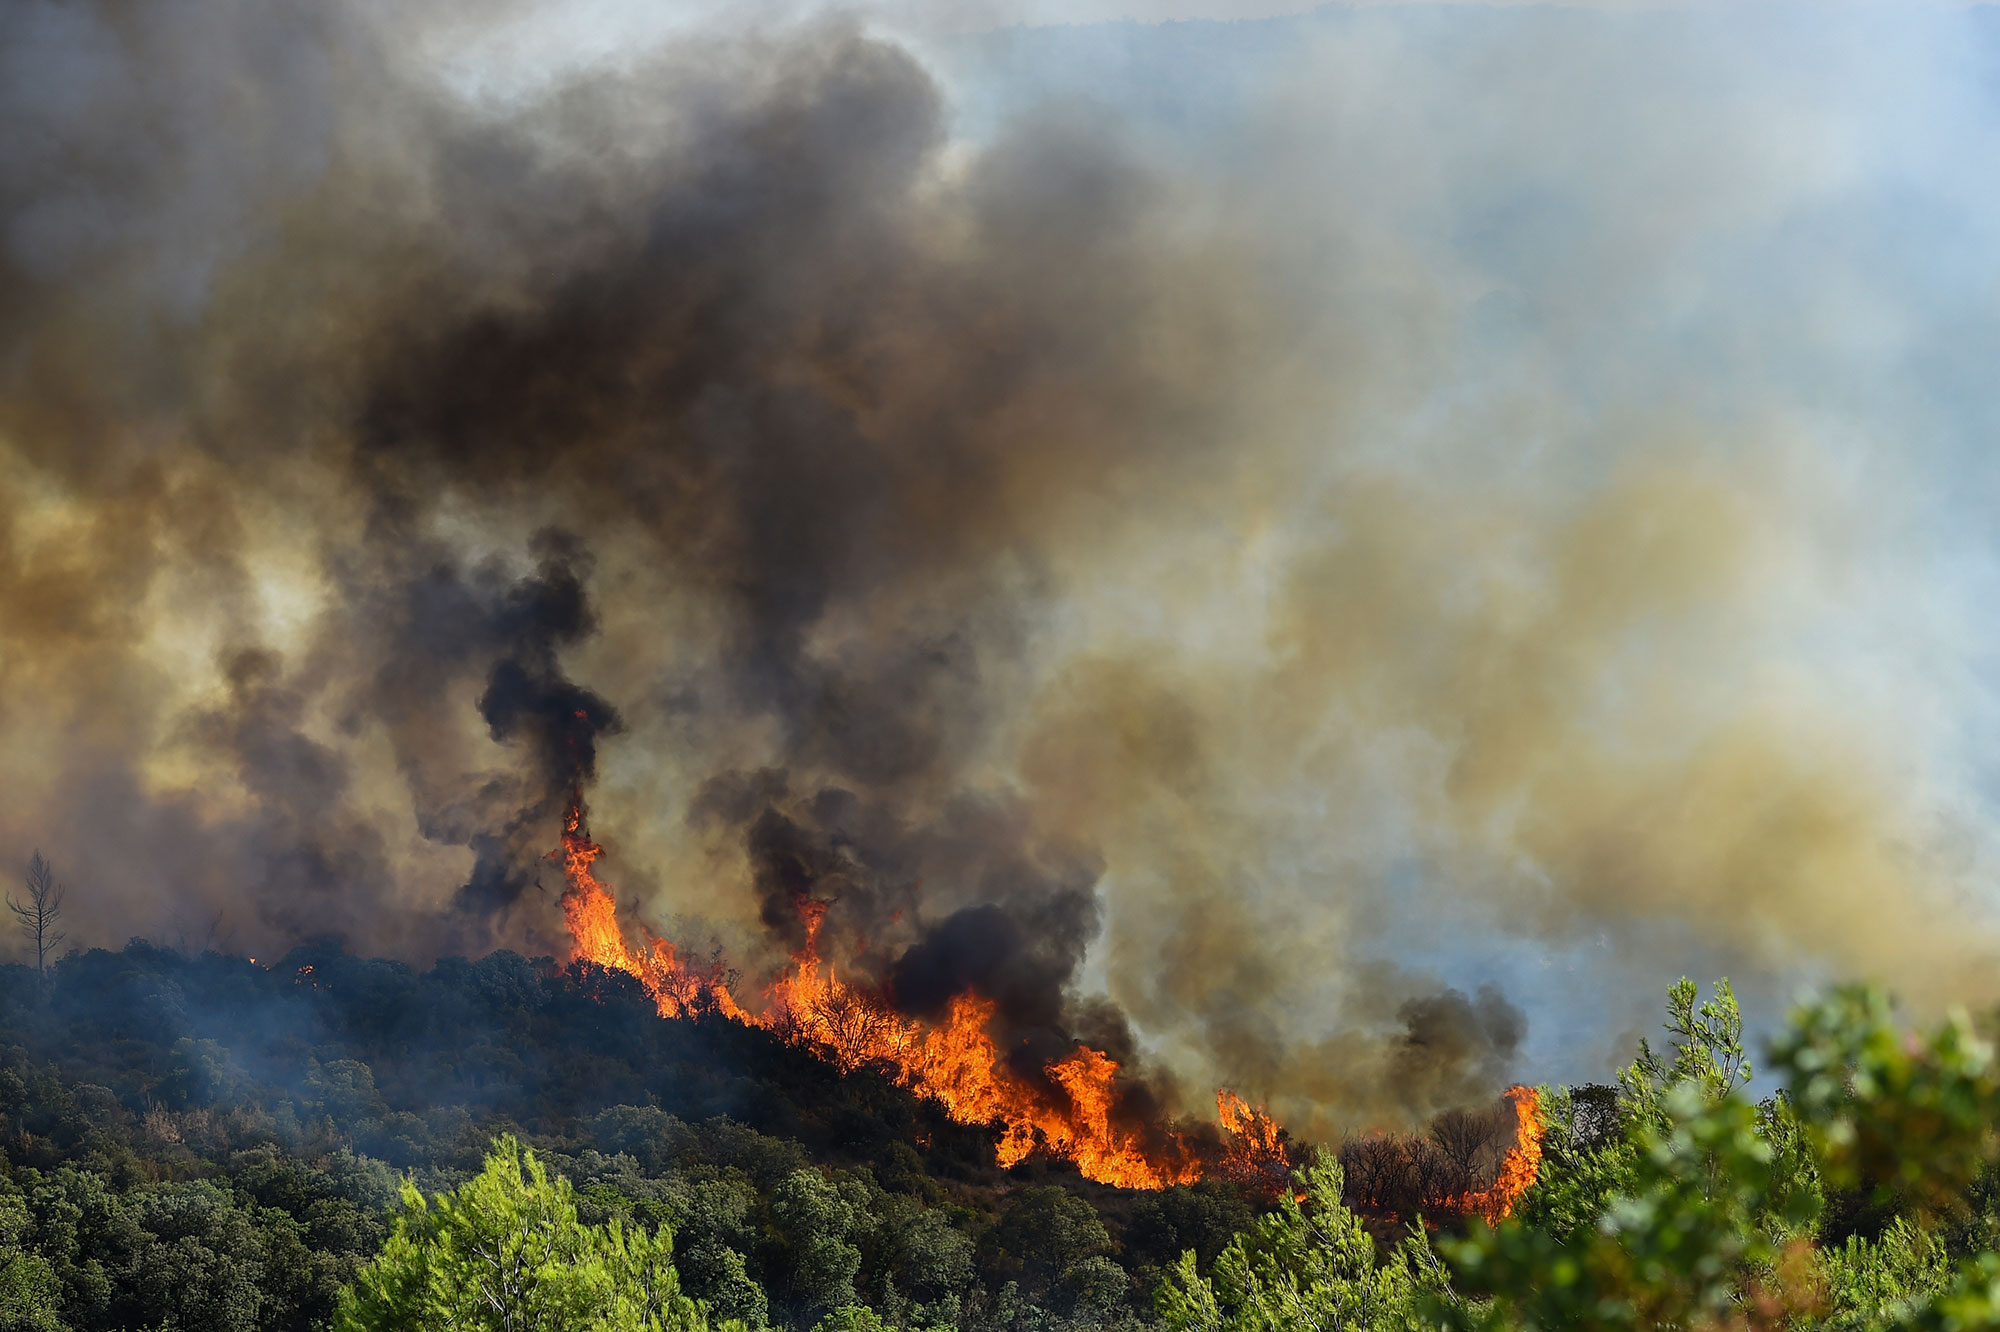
37	917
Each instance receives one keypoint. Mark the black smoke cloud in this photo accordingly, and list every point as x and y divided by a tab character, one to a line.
968	901
379	457
1023	957
528	703
324	873
1454	1048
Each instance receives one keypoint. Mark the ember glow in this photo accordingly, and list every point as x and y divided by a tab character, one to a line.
957	1063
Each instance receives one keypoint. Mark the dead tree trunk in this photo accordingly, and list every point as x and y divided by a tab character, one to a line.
37	916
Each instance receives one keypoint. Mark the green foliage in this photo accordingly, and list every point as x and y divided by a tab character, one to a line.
1042	1234
1308	1266
820	1224
205	1266
1580	1170
1704	1213
1699	1218
1203	1217
184	1254
1881	1282
506	1252
29	1290
1708	1053
1911	1120
933	1256
852	1318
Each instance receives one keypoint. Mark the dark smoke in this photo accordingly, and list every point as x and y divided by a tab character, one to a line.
311	861
716	383
321	872
527	700
966	902
1023	955
1454	1049
447	628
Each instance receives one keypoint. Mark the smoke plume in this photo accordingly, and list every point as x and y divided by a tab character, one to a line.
1227	613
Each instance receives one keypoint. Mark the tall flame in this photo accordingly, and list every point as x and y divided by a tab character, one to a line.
1522	1163
956	1063
678	990
1256	1153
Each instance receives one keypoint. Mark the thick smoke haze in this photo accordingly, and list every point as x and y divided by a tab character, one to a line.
1298	581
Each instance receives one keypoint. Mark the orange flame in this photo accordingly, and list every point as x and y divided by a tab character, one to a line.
1257	1152
956	1063
678	990
959	1065
1518	1170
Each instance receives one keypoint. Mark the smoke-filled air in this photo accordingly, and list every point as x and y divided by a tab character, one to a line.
1324	559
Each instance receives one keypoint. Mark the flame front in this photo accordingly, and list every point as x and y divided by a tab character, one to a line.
592	912
956	1063
1522	1163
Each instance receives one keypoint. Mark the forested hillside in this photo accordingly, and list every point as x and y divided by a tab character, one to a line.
206	1142
210	1143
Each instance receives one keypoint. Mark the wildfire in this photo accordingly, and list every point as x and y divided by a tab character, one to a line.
677	989
1256	1149
957	1062
1518	1170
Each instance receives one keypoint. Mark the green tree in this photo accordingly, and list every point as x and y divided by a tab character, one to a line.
1309	1266
202	1263
506	1253
933	1258
1868	1283
1045	1231
819	1224
1708	1052
30	1291
1584	1166
1705	1211
1693	1231
713	1232
852	1318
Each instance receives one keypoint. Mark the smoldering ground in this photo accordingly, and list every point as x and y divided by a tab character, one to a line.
1132	585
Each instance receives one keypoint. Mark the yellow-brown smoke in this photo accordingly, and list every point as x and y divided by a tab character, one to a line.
1034	539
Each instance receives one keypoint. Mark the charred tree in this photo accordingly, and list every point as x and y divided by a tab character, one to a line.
37	917
1472	1143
